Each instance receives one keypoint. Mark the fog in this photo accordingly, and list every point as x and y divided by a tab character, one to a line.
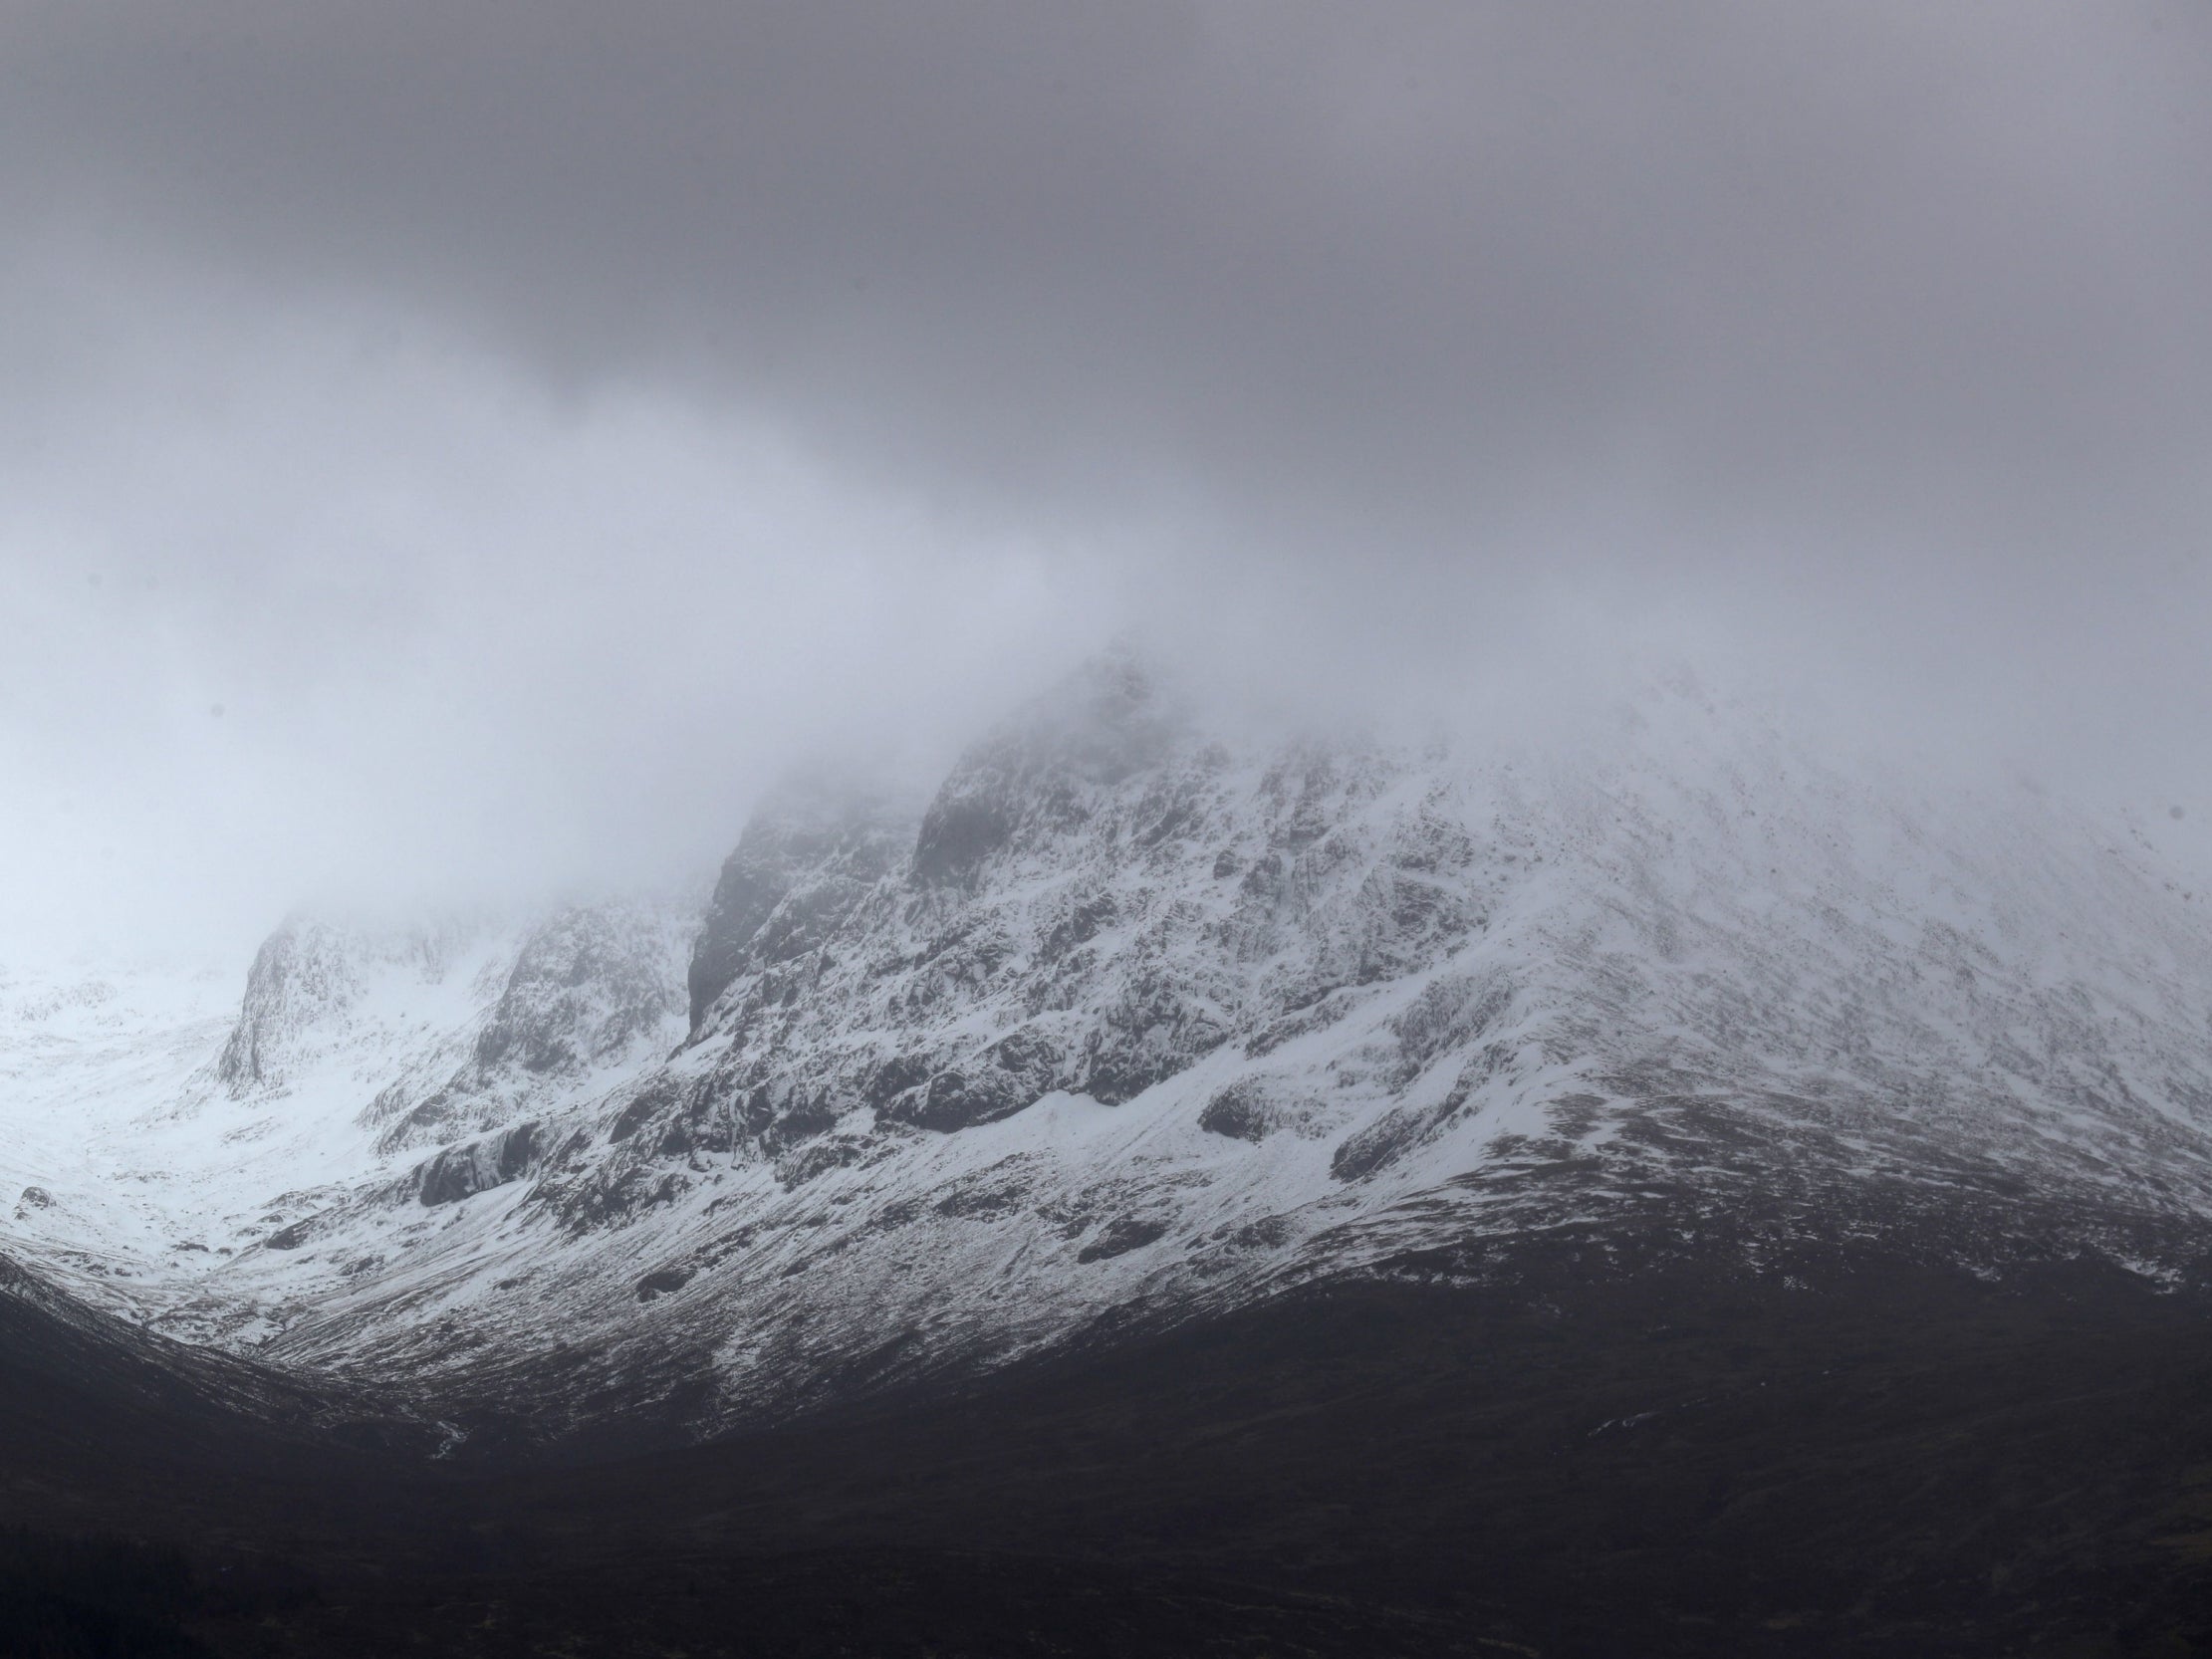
470	449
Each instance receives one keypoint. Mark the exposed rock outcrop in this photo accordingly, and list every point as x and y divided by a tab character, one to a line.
477	1166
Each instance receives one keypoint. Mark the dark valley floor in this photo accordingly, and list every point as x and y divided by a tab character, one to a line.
1859	1456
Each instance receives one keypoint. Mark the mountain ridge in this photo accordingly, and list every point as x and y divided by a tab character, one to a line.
1137	1020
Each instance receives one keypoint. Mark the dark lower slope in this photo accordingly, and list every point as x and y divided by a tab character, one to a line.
849	1602
1849	1453
105	1427
65	1599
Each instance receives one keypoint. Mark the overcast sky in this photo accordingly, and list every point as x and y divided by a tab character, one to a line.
471	446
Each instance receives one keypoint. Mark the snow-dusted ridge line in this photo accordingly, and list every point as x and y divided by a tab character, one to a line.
1139	1017
175	1129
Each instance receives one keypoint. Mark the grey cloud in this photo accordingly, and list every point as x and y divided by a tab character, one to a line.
1332	257
431	352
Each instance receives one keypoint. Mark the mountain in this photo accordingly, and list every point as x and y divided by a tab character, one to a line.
1567	1189
1138	1019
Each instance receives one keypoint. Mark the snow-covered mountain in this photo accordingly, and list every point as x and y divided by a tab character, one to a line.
162	1137
1139	1017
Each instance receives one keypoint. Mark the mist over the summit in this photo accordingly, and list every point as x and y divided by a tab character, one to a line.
470	452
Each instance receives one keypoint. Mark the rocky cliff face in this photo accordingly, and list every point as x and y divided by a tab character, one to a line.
1139	1016
592	992
508	1008
1095	902
812	853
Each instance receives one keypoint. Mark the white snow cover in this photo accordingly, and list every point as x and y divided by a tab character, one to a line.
1139	1016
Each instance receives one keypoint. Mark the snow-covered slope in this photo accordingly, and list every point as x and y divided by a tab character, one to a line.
1137	1017
161	1137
